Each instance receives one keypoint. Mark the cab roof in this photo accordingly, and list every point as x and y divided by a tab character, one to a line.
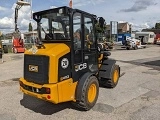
66	10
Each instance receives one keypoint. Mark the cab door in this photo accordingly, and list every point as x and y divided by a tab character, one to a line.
89	46
84	48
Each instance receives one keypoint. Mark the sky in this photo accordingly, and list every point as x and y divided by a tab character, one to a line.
140	13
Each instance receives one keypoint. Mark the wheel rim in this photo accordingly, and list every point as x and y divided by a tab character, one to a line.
115	76
92	91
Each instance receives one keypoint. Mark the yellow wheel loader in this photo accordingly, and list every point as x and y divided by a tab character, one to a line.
63	66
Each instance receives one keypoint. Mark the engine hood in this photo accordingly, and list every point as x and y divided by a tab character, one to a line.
49	49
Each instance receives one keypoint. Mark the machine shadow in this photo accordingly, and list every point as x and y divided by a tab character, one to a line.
43	107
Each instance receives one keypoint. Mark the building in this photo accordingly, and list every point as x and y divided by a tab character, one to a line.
30	37
122	28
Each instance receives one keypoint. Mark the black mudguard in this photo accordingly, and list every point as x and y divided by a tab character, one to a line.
106	69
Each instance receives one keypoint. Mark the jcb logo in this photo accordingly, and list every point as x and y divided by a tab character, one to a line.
33	68
80	67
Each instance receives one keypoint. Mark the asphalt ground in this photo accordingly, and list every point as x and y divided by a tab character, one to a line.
136	97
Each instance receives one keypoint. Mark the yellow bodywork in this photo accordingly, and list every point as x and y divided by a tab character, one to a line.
60	91
54	51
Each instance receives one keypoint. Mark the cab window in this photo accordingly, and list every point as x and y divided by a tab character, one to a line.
88	33
77	39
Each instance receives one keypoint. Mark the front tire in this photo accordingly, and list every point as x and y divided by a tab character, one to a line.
88	94
111	83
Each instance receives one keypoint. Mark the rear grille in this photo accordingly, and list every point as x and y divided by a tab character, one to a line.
40	75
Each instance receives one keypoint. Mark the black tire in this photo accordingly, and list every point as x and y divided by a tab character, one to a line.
128	48
84	102
111	83
5	49
136	47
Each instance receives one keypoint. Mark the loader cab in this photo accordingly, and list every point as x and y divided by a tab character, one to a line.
76	29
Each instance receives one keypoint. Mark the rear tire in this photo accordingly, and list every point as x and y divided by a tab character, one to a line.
111	83
89	94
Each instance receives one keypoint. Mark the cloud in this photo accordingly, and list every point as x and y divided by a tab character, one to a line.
6	23
2	8
79	3
140	5
24	17
53	7
122	21
141	26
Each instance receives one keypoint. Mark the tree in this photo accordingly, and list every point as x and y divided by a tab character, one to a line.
30	27
157	26
1	36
